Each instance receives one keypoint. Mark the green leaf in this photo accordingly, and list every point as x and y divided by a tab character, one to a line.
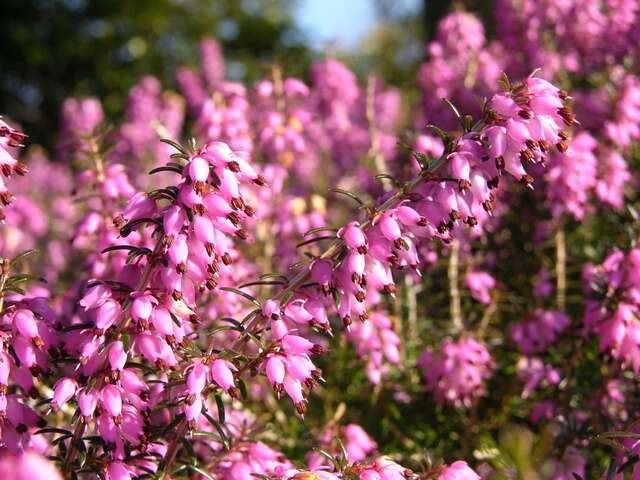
131	248
611	471
243	388
220	405
200	471
318	230
315	239
261	282
504	83
274	275
126	341
175	145
620	434
454	109
188	447
218	428
386	176
166	169
251	298
22	256
439	132
347	193
53	430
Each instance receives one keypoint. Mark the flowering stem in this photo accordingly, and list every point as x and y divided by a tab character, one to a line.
4	276
486	316
278	86
454	289
172	450
411	289
77	434
337	247
561	268
374	150
140	287
94	153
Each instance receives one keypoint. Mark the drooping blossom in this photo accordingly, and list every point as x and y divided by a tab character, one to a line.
27	466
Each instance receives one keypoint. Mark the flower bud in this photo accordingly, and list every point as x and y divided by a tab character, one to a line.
275	370
118	471
111	400
354	237
142	306
222	374
296	344
107	314
197	378
87	402
117	356
63	390
198	169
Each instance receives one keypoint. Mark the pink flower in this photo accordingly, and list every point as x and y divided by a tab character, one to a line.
27	466
480	284
458	471
64	389
539	330
456	373
222	374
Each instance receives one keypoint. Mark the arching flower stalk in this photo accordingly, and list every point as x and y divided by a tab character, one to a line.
519	128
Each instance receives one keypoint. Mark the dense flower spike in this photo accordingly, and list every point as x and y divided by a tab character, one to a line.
585	36
154	303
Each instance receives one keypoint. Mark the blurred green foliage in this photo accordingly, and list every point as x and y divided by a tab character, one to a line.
55	48
52	49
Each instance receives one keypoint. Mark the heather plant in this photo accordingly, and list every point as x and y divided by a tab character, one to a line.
315	279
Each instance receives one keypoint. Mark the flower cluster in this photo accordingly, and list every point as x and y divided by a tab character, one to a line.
460	67
521	126
481	284
10	139
611	311
532	371
376	341
539	330
457	373
152	302
151	115
357	443
79	119
586	36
